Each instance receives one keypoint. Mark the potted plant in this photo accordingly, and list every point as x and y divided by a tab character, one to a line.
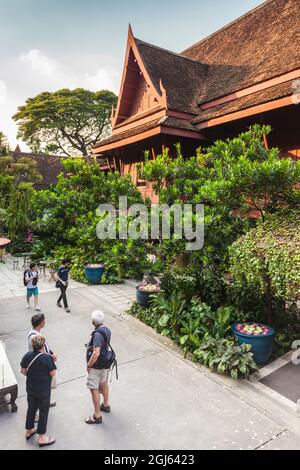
144	292
94	273
259	336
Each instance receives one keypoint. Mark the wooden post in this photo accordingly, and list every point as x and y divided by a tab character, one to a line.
266	141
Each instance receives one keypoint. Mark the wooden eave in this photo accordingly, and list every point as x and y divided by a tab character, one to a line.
160	129
251	111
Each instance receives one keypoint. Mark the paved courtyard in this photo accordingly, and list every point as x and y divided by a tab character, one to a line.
160	401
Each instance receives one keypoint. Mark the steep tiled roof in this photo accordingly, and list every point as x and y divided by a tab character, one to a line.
262	44
279	91
163	122
49	166
129	133
183	78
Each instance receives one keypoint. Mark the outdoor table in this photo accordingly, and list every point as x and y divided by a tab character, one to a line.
27	257
43	265
8	382
52	266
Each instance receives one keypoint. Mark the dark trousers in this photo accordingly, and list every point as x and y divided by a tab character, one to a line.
63	296
35	403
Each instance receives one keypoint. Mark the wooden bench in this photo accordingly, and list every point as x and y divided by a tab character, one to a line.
8	382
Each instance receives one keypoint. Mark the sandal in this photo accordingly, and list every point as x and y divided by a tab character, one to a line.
50	442
106	409
94	420
31	435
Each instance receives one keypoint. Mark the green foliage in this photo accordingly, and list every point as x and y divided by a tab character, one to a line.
19	210
4	145
65	121
267	259
226	357
172	310
173	280
200	331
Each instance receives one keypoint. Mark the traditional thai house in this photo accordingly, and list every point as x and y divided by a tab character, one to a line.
248	72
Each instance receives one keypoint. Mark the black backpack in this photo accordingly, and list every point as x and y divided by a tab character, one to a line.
35	280
107	359
24	277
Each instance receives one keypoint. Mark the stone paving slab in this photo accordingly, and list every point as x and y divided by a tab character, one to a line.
285	381
160	401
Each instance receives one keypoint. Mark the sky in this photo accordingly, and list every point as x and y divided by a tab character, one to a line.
51	44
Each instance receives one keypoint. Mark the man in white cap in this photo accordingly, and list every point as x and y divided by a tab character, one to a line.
97	380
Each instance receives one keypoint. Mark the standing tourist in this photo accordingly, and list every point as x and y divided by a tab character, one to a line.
31	279
39	369
38	323
99	359
62	283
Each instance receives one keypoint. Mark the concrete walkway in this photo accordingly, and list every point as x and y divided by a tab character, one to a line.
160	401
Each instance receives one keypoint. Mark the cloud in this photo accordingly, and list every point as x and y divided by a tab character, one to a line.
58	75
41	63
102	80
3	92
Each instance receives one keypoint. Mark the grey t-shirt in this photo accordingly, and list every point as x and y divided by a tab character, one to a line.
32	333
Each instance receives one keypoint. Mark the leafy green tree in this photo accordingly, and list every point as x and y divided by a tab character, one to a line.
19	210
4	145
66	121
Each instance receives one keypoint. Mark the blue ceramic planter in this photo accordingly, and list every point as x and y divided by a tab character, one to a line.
262	345
143	298
94	275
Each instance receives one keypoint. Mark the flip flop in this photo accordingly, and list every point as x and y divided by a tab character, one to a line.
49	443
31	435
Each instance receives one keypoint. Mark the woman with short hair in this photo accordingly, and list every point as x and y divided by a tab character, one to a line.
39	369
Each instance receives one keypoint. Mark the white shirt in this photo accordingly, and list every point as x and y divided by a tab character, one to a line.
30	276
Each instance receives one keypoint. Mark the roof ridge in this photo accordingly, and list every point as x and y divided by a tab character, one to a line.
39	154
232	23
170	52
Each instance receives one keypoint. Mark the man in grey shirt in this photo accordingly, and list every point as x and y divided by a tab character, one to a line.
38	322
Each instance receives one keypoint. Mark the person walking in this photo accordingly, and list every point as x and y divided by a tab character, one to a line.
62	283
38	323
97	358
39	369
31	279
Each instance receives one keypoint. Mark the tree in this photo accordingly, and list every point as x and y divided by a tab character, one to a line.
65	121
4	145
19	209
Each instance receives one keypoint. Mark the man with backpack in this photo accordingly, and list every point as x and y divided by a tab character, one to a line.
31	278
100	359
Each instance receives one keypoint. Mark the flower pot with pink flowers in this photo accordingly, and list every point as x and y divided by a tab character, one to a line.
259	336
144	293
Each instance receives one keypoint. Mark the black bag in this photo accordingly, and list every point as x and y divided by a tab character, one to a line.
106	361
24	277
34	281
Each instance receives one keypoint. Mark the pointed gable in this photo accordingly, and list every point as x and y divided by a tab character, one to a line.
138	94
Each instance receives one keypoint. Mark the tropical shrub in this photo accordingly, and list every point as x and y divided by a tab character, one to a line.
225	356
267	260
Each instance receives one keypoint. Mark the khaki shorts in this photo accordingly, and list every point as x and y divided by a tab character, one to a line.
96	378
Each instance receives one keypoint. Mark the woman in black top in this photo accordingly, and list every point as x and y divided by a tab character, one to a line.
62	283
39	369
